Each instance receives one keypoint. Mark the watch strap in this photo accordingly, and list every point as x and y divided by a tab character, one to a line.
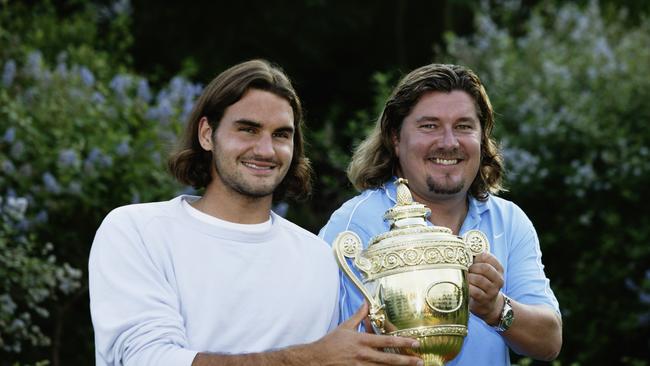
507	315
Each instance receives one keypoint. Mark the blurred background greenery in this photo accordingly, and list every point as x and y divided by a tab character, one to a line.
93	94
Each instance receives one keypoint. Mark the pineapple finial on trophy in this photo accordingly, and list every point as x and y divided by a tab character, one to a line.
404	196
406	212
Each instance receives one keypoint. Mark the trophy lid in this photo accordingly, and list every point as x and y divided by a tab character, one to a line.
406	212
407	217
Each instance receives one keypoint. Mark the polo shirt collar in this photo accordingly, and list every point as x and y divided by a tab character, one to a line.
476	207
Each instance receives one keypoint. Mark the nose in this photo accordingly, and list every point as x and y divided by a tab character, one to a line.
448	139
264	147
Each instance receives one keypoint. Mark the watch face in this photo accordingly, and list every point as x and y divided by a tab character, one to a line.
508	317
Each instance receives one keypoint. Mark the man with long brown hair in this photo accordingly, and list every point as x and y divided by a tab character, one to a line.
435	131
221	279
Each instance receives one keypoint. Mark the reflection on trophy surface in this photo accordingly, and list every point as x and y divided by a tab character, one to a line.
414	278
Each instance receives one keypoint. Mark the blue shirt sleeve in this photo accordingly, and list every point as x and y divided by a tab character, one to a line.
525	278
350	298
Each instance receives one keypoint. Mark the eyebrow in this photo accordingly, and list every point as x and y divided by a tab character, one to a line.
435	119
427	118
250	123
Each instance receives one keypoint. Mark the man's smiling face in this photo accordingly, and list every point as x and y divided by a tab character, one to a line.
439	145
253	144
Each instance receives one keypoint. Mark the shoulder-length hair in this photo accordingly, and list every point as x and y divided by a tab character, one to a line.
190	164
374	161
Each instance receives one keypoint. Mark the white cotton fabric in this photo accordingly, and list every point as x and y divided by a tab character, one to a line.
165	285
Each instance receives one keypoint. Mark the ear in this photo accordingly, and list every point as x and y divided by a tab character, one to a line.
205	134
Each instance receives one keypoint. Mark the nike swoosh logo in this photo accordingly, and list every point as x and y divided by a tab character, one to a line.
498	236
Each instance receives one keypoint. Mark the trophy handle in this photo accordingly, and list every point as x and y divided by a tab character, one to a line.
476	242
348	244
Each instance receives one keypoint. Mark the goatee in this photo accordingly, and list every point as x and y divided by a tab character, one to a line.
443	189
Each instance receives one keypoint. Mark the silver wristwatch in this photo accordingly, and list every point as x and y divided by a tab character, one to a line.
507	316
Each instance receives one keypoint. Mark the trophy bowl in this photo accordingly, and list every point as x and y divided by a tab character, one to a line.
414	278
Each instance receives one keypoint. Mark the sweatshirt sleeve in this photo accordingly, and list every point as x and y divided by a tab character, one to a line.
134	308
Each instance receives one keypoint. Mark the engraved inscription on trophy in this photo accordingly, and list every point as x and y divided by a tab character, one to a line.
444	296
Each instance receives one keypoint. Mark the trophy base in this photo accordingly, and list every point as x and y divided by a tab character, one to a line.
430	359
433	360
438	344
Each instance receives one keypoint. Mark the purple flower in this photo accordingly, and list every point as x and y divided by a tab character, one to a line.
41	217
123	148
87	76
62	57
68	158
644	297
7	304
8	167
177	85
34	64
10	135
98	98
51	184
121	7
8	73
187	109
62	69
644	319
97	157
23	225
120	84
162	112
16	206
106	161
94	155
631	285
144	93
17	149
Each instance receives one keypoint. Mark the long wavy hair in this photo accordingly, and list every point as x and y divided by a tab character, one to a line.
374	161
190	164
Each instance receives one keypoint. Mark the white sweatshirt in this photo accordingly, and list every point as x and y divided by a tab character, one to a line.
167	281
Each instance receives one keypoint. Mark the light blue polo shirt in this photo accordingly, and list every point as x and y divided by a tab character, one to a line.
513	241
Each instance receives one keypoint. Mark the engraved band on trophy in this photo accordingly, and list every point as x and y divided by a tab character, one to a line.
414	278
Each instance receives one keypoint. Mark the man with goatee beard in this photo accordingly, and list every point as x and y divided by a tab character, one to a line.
435	131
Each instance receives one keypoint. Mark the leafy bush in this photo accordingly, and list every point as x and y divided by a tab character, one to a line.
79	136
330	149
571	96
29	276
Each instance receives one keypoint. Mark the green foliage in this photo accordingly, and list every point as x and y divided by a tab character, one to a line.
29	275
97	36
571	100
79	136
330	148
